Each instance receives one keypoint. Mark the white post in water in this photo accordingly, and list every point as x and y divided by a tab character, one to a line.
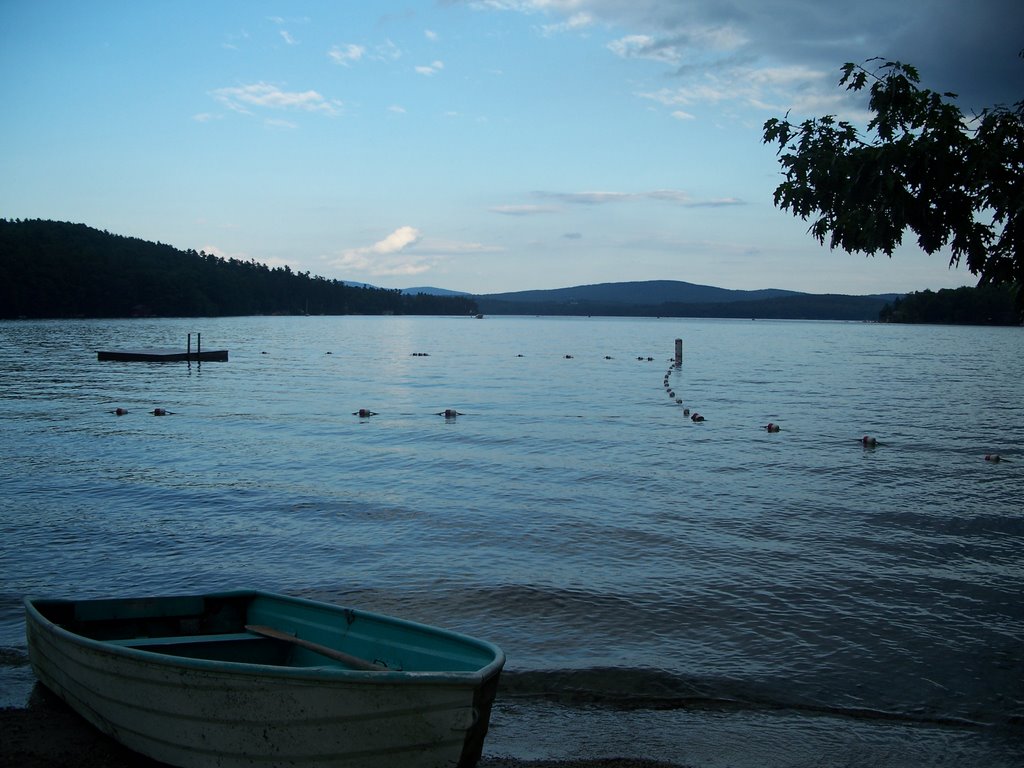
679	351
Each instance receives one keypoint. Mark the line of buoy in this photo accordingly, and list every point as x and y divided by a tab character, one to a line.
678	400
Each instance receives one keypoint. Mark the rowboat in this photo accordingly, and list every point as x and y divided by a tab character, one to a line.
250	678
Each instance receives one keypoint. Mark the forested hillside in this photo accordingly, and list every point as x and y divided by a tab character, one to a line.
984	305
58	269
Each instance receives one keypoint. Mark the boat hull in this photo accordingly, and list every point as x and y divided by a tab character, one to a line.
234	714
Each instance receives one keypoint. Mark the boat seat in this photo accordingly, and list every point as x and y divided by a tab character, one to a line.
142	642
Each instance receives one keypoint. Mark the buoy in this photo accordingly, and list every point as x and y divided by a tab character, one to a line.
568	357
327	353
263	353
364	413
696	417
161	412
607	357
868	442
686	411
518	355
679	401
771	427
993	457
119	411
450	413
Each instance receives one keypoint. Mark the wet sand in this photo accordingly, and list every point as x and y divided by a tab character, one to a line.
48	734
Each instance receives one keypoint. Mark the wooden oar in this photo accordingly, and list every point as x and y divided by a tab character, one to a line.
353	661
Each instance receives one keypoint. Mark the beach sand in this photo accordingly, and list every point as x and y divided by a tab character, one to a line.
48	734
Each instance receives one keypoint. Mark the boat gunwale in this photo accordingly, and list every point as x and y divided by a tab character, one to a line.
311	674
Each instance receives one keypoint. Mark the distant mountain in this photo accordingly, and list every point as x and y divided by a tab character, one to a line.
431	291
673	298
646	293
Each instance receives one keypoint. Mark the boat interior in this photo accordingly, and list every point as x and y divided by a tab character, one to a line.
234	627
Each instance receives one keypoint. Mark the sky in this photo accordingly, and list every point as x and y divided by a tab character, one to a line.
481	146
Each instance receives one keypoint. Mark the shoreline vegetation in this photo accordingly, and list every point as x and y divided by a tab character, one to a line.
60	270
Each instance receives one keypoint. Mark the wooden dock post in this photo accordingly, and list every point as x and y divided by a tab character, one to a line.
188	348
679	352
199	345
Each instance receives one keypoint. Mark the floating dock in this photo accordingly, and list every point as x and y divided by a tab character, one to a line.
163	355
167	355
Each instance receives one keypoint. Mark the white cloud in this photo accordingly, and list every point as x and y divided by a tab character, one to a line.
399	239
385	257
431	69
397	109
577	21
347	54
430	35
404	252
287	37
244	98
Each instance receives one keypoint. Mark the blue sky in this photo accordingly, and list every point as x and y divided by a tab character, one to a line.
477	146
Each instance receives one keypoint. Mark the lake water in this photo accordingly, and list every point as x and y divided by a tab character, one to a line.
707	593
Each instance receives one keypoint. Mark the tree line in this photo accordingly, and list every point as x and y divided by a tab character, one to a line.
984	305
53	269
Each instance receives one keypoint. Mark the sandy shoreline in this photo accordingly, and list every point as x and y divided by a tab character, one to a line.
48	734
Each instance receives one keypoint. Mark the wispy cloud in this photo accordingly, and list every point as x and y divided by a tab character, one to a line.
430	69
347	54
575	22
522	210
674	196
586	198
798	87
246	98
288	37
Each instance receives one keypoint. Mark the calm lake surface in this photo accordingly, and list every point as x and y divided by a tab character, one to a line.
707	593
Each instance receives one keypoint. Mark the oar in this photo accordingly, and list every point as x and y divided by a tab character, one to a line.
353	661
